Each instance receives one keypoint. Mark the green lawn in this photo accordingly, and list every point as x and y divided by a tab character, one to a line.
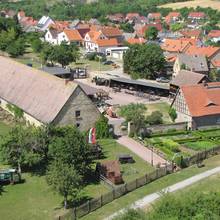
91	65
31	200
162	107
131	171
4	129
150	188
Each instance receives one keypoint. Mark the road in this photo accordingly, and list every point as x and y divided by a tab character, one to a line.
147	200
140	150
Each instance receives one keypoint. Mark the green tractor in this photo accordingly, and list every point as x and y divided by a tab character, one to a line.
9	176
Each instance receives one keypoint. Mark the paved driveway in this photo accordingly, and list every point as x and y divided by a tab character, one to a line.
140	150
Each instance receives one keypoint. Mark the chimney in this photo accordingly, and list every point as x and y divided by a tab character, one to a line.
205	84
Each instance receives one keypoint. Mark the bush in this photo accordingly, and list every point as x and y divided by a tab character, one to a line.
173	114
155	118
102	128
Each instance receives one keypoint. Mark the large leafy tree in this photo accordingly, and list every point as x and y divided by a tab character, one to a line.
151	33
144	61
64	179
70	146
17	148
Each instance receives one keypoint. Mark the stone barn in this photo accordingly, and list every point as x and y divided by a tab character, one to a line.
43	98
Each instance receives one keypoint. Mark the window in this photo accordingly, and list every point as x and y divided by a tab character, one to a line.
77	125
77	114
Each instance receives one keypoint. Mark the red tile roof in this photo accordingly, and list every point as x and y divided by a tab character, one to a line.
73	35
191	33
141	31
136	40
130	16
196	15
176	45
216	63
206	51
202	100
107	42
171	15
60	25
155	15
214	33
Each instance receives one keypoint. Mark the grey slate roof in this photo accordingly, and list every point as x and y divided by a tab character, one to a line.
37	93
55	70
185	77
197	63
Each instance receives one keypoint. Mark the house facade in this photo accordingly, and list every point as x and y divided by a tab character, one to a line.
43	98
51	36
200	104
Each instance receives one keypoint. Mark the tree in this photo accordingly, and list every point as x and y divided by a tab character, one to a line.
127	27
134	113
71	147
36	45
16	48
65	179
16	147
172	114
102	128
177	26
151	33
145	61
155	118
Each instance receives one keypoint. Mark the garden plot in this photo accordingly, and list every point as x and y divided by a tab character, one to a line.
184	143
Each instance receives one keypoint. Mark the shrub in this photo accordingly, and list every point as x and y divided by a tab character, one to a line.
102	128
173	114
155	118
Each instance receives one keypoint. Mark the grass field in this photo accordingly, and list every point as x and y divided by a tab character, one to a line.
193	4
150	188
132	171
31	200
163	107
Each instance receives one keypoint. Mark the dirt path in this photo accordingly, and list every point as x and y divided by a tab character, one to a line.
147	200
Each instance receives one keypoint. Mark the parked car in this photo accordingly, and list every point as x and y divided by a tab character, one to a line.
108	62
162	80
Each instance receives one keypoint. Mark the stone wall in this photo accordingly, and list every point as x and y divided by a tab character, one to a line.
79	101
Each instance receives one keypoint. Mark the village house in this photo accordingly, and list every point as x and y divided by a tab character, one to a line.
96	41
136	40
141	30
176	46
44	23
43	98
200	104
215	64
211	53
132	17
214	35
195	19
154	16
172	18
195	63
116	18
186	77
51	36
8	13
70	36
193	34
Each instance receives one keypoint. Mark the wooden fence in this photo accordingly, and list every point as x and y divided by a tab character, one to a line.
115	193
119	191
